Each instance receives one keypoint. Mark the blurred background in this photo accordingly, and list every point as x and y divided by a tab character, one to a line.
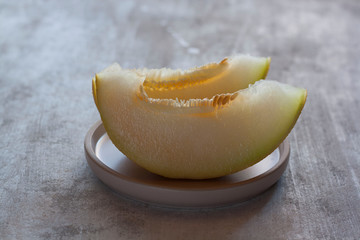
50	50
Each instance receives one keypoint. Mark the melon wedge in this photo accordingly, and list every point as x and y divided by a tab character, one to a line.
171	132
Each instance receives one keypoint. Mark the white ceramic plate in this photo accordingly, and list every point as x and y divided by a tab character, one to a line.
121	174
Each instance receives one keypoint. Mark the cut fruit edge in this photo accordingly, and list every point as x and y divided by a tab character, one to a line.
168	82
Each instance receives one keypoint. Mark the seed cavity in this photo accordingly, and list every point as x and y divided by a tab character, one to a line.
167	79
219	100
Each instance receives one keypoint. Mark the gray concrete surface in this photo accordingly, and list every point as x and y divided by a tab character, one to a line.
49	51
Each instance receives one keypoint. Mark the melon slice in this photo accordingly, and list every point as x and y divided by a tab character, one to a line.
198	124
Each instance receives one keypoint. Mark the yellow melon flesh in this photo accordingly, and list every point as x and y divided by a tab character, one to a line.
224	131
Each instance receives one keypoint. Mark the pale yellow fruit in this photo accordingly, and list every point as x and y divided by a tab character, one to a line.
197	124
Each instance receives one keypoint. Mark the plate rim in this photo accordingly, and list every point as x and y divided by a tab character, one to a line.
89	147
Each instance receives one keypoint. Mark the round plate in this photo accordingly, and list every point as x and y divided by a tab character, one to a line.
124	176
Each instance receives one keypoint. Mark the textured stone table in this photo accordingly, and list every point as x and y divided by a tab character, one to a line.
49	51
